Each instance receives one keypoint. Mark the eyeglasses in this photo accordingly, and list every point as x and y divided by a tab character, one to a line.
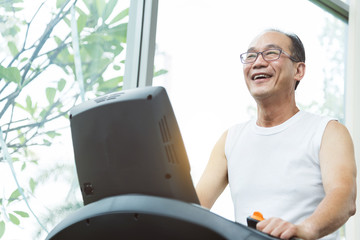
268	55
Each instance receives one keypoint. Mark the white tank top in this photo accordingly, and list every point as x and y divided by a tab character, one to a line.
276	170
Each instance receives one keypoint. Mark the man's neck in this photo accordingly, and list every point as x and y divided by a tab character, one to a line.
270	115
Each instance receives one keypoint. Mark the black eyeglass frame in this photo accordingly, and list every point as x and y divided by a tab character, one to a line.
262	54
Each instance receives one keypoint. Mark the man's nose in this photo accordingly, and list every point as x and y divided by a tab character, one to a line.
260	61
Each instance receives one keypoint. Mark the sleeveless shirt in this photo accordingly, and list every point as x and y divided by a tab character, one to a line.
276	170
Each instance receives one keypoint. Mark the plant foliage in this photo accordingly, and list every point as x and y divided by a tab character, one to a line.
40	81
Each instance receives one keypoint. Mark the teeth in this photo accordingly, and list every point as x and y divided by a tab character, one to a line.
261	76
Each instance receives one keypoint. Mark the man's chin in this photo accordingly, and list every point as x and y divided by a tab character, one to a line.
259	94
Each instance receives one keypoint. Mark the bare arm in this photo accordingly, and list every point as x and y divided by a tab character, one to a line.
338	170
214	179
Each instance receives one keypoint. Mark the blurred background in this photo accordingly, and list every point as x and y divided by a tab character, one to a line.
57	53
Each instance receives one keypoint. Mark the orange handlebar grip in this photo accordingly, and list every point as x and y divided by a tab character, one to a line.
257	216
254	219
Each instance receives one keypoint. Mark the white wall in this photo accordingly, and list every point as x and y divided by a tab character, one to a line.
352	103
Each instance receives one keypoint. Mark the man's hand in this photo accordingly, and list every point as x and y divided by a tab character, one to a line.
279	228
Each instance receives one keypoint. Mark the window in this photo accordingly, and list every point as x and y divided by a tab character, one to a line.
197	47
53	56
199	42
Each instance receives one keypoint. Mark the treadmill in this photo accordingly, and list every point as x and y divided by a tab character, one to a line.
134	174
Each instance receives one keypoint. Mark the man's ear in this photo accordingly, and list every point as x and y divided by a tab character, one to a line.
299	71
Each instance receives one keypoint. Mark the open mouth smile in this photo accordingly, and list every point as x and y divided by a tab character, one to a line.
259	76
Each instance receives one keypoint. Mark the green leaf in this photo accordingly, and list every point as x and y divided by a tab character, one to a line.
120	16
119	32
116	49
28	103
34	162
59	106
80	11
11	74
2	228
160	72
100	6
61	84
13	48
32	184
81	22
24	59
22	214
50	94
60	3
29	106
116	67
52	134
57	40
14	196
110	84
109	7
14	219
43	114
23	166
11	31
20	106
21	137
46	142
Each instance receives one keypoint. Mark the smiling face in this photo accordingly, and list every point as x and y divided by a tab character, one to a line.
277	78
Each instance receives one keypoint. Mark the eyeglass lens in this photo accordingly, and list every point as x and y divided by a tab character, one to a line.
268	55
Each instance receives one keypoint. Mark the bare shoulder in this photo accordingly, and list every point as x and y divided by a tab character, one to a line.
336	132
337	158
334	125
217	157
222	140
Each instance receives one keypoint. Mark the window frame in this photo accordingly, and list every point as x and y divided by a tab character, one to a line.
141	50
335	7
141	37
